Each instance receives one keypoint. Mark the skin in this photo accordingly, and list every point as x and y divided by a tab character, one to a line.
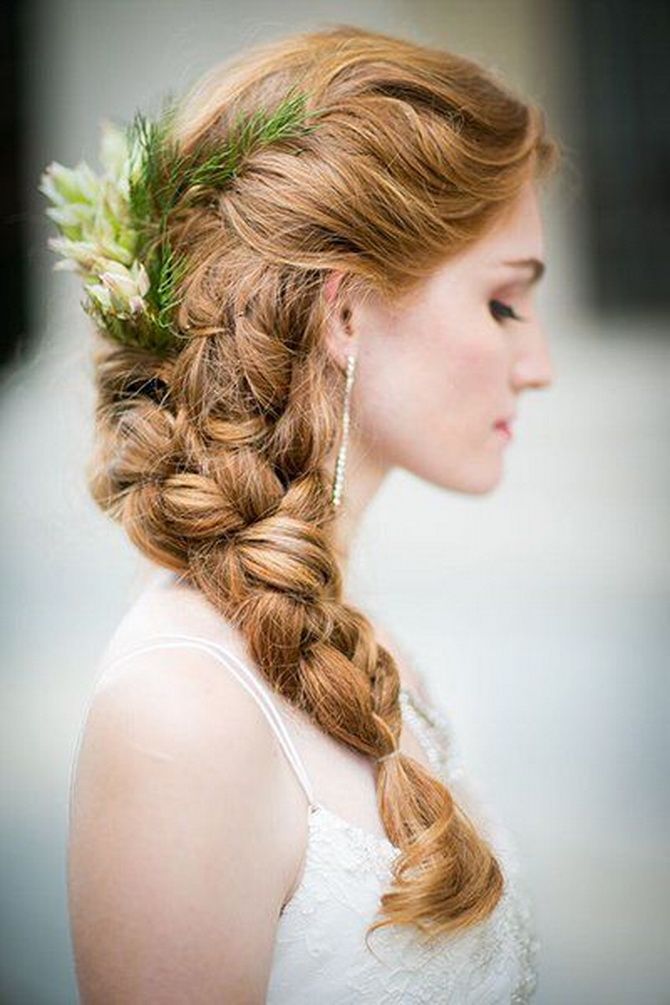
180	791
434	375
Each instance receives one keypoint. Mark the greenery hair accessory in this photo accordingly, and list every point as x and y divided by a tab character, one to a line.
114	227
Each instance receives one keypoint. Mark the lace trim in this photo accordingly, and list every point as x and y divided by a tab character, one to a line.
327	920
472	965
436	736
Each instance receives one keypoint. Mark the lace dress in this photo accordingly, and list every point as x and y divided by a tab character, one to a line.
320	953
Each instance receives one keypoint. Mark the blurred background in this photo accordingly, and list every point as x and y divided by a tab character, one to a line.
539	614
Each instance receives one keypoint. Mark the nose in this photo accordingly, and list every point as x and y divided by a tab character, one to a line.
533	366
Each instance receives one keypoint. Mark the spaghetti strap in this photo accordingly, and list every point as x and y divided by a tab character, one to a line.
246	678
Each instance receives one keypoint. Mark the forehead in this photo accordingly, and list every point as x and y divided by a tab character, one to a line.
517	234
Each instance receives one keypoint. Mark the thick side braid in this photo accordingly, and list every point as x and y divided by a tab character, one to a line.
200	493
215	461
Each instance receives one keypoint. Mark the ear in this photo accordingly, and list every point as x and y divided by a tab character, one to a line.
339	334
331	285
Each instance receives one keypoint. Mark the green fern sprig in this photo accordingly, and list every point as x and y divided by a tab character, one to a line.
170	274
115	227
249	134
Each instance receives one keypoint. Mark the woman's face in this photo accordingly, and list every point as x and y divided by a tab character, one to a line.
434	377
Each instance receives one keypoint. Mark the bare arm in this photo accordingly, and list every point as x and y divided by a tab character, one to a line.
177	863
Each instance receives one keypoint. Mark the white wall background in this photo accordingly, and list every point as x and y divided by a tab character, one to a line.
539	614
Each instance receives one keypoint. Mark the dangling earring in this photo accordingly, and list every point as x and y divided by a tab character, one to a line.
342	453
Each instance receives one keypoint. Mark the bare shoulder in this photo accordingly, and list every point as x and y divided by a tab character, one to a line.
182	698
176	801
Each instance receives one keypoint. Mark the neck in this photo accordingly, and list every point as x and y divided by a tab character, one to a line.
363	477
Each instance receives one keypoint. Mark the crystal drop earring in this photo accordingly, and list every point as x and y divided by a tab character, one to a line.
340	464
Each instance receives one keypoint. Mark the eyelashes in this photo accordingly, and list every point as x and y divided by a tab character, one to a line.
500	310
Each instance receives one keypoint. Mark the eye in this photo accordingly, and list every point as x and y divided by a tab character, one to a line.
503	310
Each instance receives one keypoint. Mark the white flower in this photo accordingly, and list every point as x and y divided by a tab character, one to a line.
98	238
126	288
69	185
73	219
80	255
140	276
93	214
100	296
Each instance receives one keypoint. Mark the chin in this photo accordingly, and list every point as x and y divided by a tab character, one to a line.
467	472
472	483
484	490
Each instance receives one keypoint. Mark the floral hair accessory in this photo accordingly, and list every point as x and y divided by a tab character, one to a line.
114	226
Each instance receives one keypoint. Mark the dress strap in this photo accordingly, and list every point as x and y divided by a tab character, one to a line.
249	681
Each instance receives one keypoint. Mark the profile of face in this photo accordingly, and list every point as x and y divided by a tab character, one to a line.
434	376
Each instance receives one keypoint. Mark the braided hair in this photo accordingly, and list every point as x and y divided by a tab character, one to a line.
214	458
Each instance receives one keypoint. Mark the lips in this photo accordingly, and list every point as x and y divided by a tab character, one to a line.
506	421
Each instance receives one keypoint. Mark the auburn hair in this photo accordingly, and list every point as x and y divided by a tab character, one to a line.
213	459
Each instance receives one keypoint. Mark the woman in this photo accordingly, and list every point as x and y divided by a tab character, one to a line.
261	775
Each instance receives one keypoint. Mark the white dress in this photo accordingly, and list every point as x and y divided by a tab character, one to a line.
320	954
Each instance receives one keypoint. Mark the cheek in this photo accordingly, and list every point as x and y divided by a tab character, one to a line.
476	369
393	395
411	402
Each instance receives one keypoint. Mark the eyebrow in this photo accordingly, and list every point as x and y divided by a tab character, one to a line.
537	267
